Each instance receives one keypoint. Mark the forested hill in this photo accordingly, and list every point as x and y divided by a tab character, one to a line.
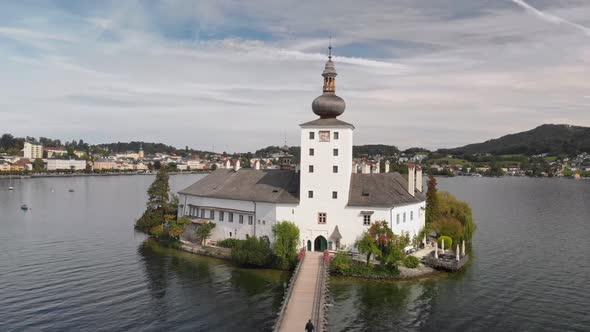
548	138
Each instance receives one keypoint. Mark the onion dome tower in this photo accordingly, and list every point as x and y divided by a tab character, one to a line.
329	105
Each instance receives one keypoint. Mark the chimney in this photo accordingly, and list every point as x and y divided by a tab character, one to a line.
377	167
227	164
237	165
257	164
366	168
419	178
411	179
387	166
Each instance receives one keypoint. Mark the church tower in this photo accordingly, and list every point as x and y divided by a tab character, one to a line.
326	155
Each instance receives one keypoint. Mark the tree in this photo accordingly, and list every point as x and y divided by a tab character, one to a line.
432	208
38	165
161	210
383	236
204	231
286	236
367	245
450	207
159	192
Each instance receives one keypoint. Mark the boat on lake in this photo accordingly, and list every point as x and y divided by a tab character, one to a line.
71	190
24	207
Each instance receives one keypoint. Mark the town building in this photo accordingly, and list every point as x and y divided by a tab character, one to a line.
330	201
65	164
32	151
53	152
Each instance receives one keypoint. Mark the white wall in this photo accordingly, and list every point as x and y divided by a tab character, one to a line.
57	164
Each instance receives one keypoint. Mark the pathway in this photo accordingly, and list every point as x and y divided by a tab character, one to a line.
305	292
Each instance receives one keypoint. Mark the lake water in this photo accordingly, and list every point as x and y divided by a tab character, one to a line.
73	262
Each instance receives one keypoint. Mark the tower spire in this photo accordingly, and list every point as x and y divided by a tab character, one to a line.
328	105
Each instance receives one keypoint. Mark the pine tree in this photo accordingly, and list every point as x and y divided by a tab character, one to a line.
432	206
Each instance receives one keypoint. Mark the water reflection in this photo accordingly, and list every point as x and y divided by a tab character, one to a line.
212	291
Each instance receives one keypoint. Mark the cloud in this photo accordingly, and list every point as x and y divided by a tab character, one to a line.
551	18
412	73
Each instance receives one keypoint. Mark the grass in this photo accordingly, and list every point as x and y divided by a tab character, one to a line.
450	161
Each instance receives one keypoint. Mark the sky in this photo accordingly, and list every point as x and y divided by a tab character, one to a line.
241	75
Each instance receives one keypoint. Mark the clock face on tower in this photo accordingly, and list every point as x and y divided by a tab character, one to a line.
324	136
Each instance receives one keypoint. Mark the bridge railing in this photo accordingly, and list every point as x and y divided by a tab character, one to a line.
289	291
319	305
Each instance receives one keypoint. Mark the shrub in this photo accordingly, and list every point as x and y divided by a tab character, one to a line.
411	262
341	263
228	243
252	252
448	241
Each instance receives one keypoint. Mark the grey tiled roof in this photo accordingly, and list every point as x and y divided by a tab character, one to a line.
274	186
381	190
282	186
329	122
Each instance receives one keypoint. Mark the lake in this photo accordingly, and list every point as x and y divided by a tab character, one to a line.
73	262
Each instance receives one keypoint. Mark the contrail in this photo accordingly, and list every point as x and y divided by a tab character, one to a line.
549	17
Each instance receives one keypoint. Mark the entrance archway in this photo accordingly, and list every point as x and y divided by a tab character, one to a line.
320	243
308	245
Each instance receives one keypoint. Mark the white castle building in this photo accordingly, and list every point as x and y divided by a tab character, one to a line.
327	198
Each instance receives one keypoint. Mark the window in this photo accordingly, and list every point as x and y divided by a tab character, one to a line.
311	152
404	217
310	194
258	221
311	168
241	218
334	194
229	234
231	217
324	136
221	215
397	219
311	135
335	152
212	214
411	215
367	220
336	135
334	169
203	213
250	220
322	218
264	222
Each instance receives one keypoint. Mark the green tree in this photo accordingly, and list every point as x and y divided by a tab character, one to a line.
286	236
452	208
204	231
38	165
160	210
432	208
367	245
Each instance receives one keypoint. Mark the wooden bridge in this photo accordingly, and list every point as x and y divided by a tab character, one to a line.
306	295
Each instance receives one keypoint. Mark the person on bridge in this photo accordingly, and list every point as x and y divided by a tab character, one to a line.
309	326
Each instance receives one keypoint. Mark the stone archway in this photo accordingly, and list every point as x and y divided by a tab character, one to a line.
320	243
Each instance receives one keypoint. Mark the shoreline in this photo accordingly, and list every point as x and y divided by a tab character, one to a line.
33	176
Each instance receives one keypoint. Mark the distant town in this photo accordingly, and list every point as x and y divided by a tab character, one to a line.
30	156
